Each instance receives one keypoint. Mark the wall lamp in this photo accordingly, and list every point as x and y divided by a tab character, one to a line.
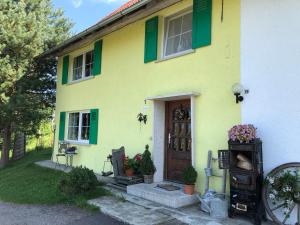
239	91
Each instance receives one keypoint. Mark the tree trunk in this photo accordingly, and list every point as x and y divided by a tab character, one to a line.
6	135
19	145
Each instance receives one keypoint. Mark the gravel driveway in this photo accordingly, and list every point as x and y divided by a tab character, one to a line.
15	214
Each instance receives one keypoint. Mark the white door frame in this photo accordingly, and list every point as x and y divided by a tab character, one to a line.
159	129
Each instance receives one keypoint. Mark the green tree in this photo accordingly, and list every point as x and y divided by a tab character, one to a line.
27	82
147	165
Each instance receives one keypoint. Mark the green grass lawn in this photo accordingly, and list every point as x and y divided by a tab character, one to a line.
24	182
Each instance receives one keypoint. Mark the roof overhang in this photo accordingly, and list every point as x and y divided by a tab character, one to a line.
138	11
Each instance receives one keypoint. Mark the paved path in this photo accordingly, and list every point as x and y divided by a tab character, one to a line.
15	214
97	219
137	211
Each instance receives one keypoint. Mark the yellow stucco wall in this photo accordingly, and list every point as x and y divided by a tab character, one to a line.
125	82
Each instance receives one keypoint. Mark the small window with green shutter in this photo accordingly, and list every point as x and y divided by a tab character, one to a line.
187	30
83	66
82	127
151	38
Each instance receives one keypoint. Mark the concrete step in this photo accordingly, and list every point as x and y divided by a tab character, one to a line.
117	186
173	199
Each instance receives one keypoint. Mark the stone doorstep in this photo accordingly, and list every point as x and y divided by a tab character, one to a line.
136	211
173	199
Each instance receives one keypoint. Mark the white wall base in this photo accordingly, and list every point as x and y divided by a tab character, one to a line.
159	139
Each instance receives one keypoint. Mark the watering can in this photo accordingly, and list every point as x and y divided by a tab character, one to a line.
215	204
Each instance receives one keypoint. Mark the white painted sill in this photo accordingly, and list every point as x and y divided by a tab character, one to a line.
78	143
80	80
175	55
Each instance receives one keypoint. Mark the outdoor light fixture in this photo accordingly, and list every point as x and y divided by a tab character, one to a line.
239	91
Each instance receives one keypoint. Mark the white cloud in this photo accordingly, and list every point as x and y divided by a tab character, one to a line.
77	3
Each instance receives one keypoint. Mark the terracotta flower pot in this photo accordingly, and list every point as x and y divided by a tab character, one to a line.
189	189
129	172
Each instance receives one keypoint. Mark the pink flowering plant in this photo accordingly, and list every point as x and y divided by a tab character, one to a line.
242	133
133	163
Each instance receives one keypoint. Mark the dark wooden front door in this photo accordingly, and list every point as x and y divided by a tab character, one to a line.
178	139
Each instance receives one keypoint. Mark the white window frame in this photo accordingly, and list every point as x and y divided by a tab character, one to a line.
167	23
83	77
79	140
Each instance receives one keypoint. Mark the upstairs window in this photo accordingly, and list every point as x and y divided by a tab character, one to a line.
83	66
79	126
178	36
77	67
89	62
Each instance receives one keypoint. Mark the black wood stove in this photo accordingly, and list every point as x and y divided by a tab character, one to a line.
246	180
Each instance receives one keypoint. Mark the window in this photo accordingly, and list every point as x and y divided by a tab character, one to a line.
83	65
89	61
178	36
77	67
79	126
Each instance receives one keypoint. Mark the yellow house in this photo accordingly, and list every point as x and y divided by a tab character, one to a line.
174	61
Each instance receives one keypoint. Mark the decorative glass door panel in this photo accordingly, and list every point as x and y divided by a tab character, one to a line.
179	141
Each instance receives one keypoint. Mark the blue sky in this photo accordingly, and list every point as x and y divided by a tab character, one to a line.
85	13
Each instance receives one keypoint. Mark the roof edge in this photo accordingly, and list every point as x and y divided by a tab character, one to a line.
94	28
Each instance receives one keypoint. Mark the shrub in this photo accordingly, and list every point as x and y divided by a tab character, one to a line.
80	180
147	165
189	175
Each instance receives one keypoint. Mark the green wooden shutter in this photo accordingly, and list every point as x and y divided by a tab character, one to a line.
151	37
62	121
202	13
94	116
65	70
97	58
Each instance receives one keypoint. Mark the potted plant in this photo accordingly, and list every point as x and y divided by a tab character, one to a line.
189	179
242	133
128	166
137	164
147	166
142	118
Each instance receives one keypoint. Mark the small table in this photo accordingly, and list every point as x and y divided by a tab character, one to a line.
70	155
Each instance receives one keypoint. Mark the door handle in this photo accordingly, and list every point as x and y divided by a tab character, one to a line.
169	139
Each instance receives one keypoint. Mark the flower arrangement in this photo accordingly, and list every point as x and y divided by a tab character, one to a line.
132	163
137	159
242	133
284	187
